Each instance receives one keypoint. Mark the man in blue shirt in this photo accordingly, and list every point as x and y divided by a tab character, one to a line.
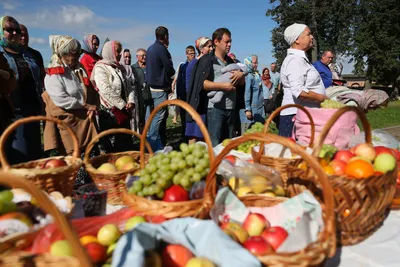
322	67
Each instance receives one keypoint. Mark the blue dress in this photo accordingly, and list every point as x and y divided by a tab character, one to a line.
192	129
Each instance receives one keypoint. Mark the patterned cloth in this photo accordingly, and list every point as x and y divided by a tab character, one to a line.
87	43
6	43
57	43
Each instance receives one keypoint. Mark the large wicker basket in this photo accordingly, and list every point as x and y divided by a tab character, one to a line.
325	246
113	183
281	164
361	204
197	208
22	259
60	179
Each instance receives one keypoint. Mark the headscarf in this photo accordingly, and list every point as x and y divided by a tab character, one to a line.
368	99
248	62
126	67
3	41
293	32
266	79
108	54
201	42
87	43
231	54
57	43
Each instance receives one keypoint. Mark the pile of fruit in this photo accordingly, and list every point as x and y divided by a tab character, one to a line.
20	213
100	248
123	163
361	161
174	176
247	146
328	103
256	234
52	163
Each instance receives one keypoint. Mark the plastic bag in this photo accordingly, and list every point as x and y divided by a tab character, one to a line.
85	226
202	237
379	138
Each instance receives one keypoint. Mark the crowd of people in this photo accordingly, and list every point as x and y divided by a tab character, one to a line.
95	91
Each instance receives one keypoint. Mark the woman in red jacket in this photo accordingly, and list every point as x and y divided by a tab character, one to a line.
89	46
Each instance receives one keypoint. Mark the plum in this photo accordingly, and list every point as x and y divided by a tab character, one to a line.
197	191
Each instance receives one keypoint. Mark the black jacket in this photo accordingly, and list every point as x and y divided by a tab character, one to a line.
197	96
159	67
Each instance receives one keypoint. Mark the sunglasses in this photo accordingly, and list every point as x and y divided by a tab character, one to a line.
12	30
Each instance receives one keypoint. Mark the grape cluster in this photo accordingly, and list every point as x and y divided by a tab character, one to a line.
183	168
247	146
328	103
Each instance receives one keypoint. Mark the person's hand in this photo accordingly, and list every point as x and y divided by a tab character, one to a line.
90	107
249	115
270	97
322	98
130	106
228	87
236	77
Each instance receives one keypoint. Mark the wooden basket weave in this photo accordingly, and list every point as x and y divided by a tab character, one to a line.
325	246
23	259
197	208
281	164
60	179
361	204
113	183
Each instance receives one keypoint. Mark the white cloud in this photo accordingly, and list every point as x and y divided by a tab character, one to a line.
37	40
10	5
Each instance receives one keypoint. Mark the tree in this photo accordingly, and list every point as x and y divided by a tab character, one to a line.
377	40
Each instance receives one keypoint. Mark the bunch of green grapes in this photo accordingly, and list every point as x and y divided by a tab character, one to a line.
184	168
328	103
246	147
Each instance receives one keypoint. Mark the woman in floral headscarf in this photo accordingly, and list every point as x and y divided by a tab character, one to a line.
116	96
25	144
253	96
90	45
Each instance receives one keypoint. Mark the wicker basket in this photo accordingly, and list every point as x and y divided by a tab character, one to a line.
197	208
25	259
113	183
361	204
60	179
325	246
281	164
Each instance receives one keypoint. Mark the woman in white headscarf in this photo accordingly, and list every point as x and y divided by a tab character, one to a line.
301	82
116	96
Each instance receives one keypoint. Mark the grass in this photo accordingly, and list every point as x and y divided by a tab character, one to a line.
385	117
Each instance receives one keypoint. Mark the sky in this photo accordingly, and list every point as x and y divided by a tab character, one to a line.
132	22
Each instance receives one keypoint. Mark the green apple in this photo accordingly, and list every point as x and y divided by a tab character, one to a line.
133	222
107	168
384	162
111	249
199	262
61	248
108	234
6	196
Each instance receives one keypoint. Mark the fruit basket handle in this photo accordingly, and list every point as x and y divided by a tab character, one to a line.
329	218
334	118
276	113
196	117
47	205
5	165
108	132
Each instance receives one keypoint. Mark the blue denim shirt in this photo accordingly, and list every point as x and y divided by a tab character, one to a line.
32	65
253	95
267	92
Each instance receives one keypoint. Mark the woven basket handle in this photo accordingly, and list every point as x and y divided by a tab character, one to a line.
17	123
196	117
276	113
327	191
334	118
47	205
89	148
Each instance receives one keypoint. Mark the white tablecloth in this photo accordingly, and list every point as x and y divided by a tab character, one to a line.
380	249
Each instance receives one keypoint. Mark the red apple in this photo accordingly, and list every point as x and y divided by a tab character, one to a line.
255	223
383	149
96	252
275	236
175	193
343	155
338	166
54	163
366	151
353	149
231	159
396	154
176	256
258	246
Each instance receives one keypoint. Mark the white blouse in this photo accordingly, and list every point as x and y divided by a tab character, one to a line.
297	75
